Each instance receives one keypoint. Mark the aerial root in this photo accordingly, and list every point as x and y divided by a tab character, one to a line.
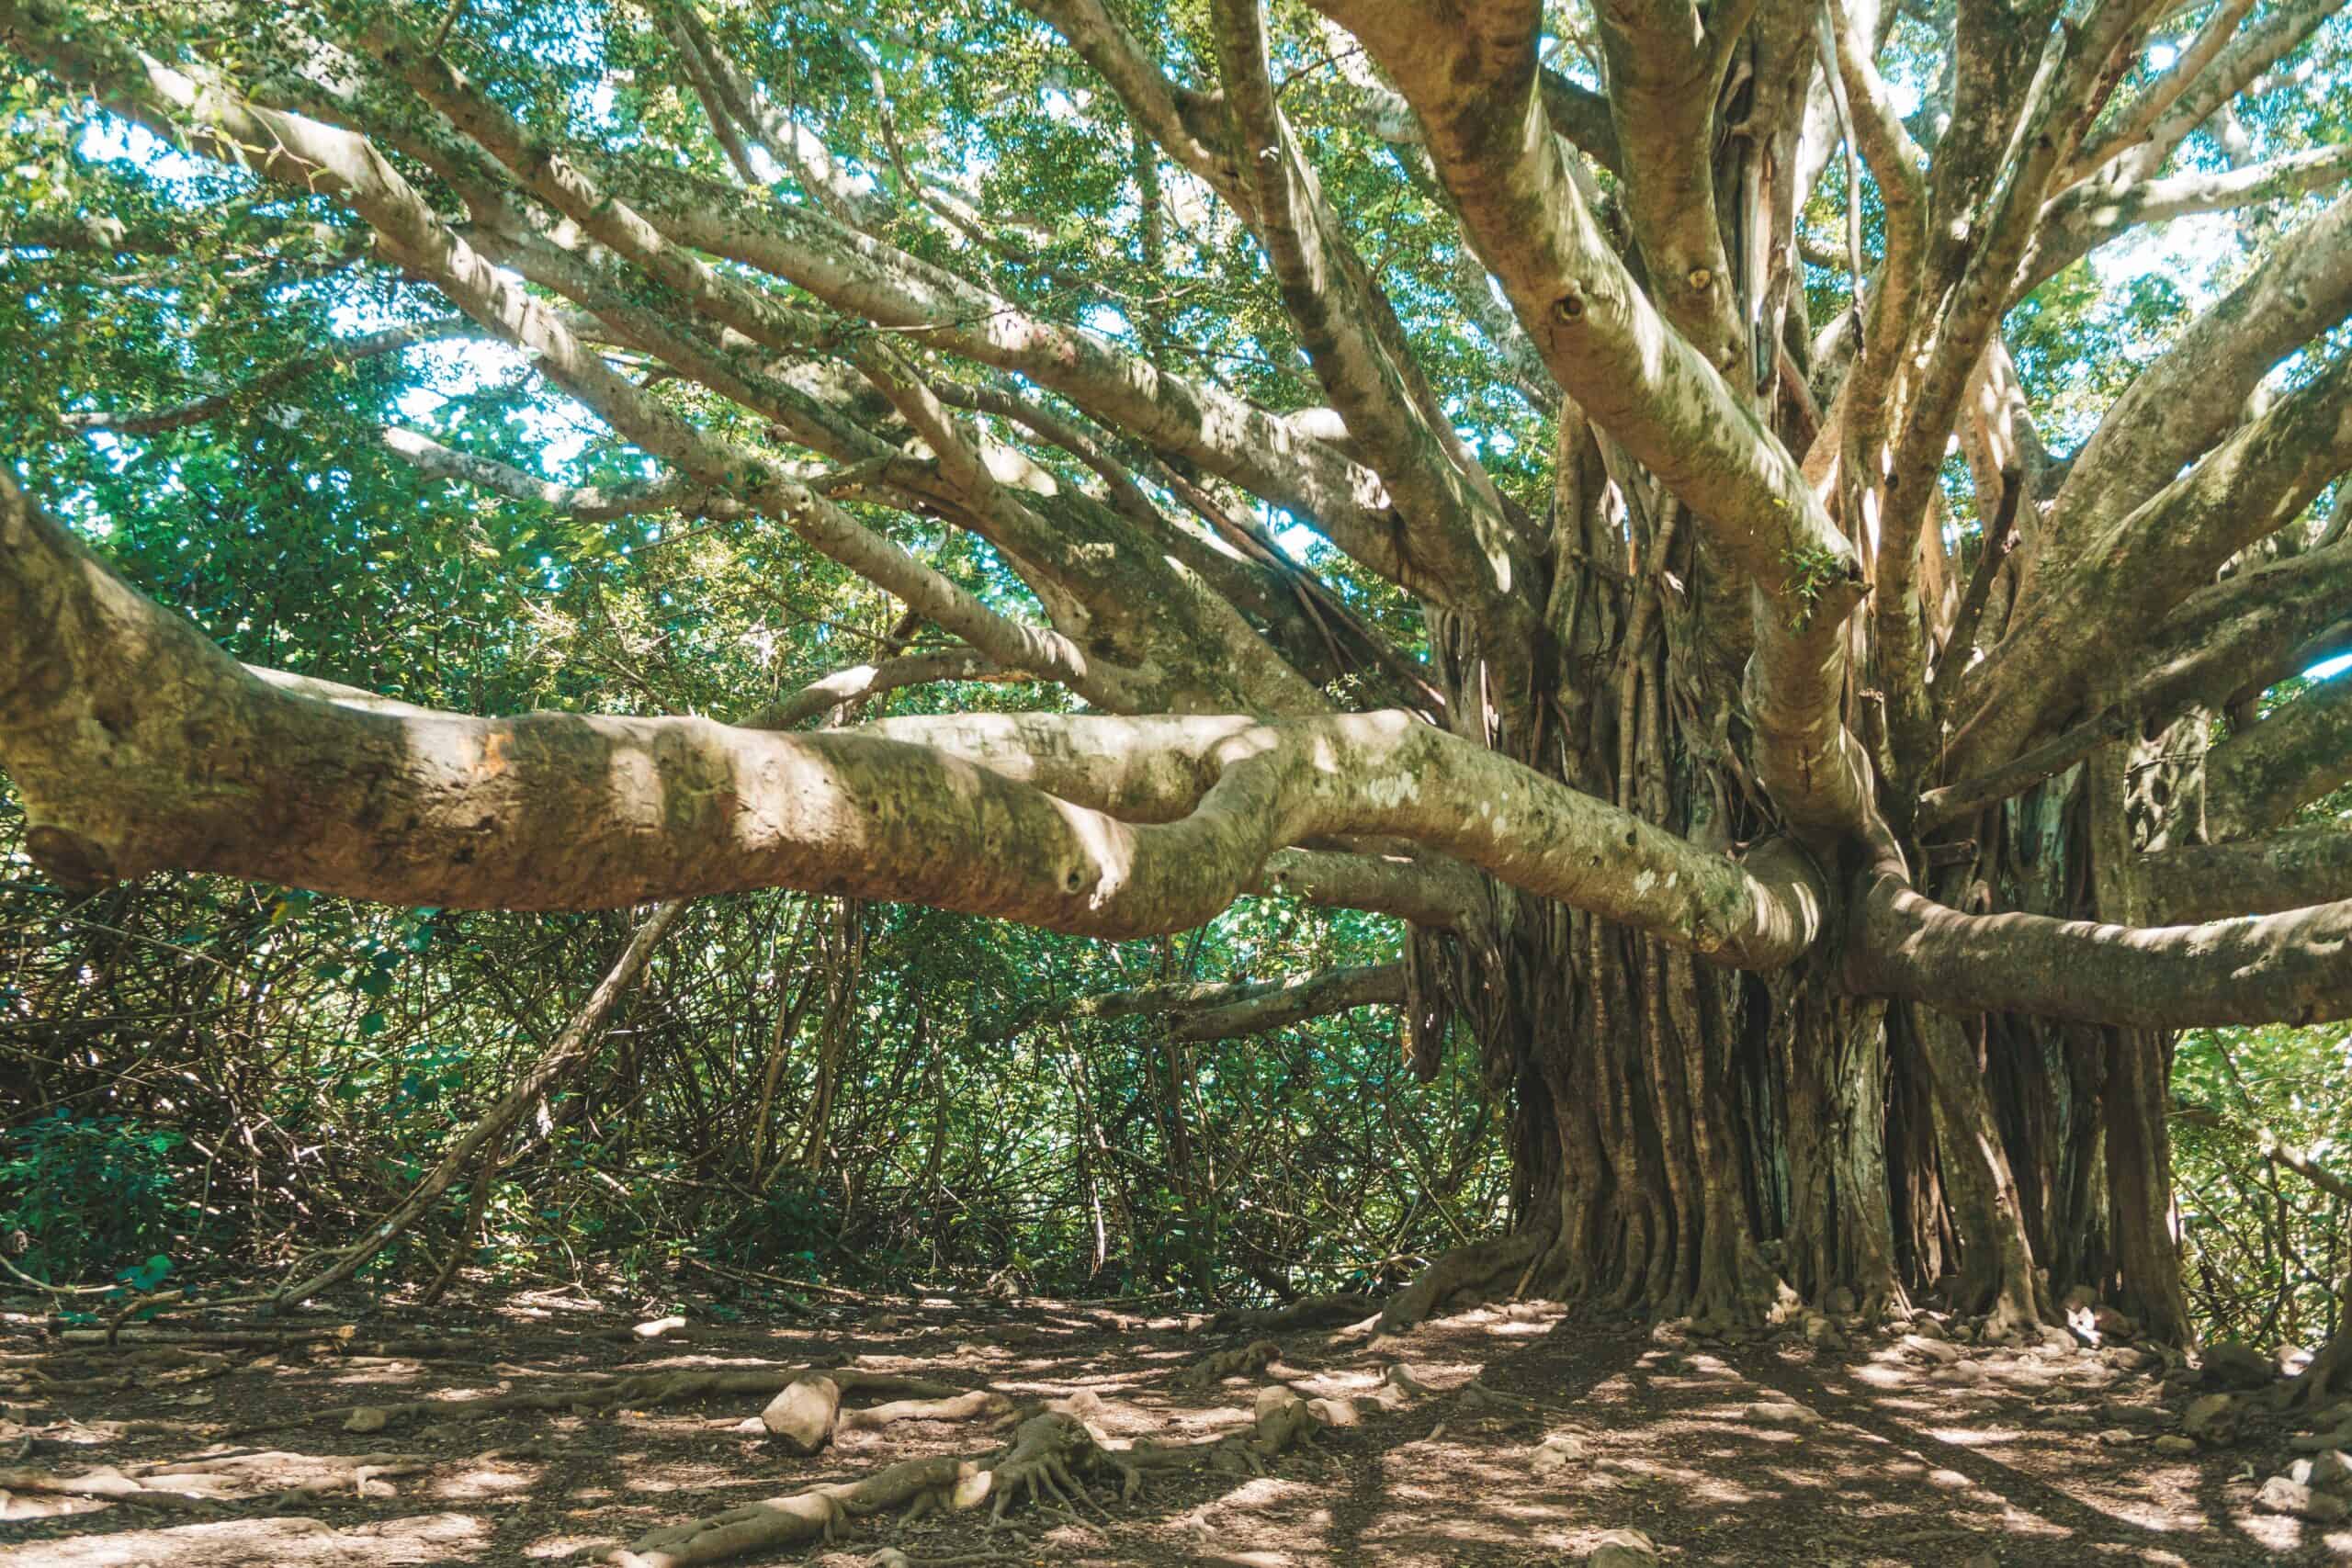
1044	1465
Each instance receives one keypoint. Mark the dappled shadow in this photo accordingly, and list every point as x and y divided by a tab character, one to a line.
1751	1453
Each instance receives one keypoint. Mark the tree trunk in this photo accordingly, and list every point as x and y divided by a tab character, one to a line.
1688	1140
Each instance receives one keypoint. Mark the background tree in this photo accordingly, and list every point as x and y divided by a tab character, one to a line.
1415	460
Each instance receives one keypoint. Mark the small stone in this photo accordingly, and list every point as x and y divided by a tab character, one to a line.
2281	1496
2068	1421
2230	1365
2118	1437
1982	1560
2130	1357
1557	1453
2330	1469
2175	1445
1935	1350
2116	1413
1781	1412
2211	1419
366	1418
2112	1324
1622	1548
1822	1334
1839	1302
1927	1327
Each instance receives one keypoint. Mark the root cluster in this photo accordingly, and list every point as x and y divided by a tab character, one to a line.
1047	1464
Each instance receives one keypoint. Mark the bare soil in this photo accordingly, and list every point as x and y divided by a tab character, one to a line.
1516	1434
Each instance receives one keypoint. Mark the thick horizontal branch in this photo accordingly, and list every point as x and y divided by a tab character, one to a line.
1224	1010
1428	890
1261	1010
2257	779
2282	871
2294	967
137	746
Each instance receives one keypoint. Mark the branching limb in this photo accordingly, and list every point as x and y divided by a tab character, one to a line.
2182	404
2286	870
2220	65
2259	777
2286	968
1220	1010
861	681
591	502
2093	213
1457	528
1080	824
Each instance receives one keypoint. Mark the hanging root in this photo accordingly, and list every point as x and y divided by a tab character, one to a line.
1246	1360
1046	1465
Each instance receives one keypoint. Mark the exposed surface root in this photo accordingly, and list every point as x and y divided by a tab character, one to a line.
2328	1380
1308	1312
805	1416
1465	1269
1245	1361
195	1484
1046	1465
638	1390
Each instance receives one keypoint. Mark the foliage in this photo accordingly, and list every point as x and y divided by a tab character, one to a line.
2268	1252
79	1195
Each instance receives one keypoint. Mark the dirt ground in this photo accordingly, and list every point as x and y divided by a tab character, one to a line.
1516	1434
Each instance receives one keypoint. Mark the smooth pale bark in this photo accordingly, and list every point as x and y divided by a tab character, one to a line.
860	681
2184	401
138	746
1265	1008
2257	779
2136	568
1475	88
2287	870
1456	528
2294	967
2091	214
